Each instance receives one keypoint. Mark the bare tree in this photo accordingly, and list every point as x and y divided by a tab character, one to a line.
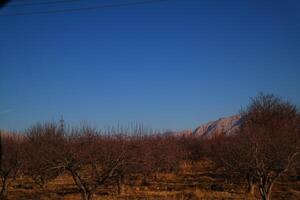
271	127
43	140
90	159
267	145
10	161
131	162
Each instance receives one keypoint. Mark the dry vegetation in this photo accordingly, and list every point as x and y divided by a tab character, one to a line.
258	162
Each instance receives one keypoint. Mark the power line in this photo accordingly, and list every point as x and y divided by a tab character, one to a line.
41	3
97	7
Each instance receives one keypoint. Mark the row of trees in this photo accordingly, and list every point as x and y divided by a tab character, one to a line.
91	158
267	146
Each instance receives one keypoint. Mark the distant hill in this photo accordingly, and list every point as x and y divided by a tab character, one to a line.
226	125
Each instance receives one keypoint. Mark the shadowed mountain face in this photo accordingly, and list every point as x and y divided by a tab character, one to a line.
226	125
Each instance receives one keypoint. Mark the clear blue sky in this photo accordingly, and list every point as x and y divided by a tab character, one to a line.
169	65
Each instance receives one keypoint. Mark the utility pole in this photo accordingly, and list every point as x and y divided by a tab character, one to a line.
62	124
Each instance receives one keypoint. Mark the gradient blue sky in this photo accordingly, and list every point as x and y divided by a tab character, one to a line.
169	65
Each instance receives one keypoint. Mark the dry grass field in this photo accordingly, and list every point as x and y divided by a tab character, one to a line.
192	182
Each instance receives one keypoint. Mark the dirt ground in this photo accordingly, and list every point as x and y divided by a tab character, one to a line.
192	182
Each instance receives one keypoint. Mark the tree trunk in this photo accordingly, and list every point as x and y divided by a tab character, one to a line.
263	193
251	189
269	191
120	184
3	192
86	195
145	180
266	191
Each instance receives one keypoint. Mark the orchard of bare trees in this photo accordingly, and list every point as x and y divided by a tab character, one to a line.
265	148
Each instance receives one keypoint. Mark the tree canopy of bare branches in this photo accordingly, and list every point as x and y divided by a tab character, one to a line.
11	161
267	145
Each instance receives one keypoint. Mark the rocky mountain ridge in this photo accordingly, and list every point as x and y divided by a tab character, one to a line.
226	125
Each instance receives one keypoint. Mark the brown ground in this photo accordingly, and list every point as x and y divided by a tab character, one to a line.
192	182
